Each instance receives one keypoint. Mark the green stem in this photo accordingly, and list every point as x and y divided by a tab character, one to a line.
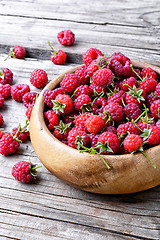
149	159
136	72
104	162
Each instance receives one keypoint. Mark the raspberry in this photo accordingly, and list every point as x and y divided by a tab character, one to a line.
110	140
62	104
150	99
93	139
82	103
155	109
29	99
132	142
77	135
158	123
83	89
118	97
69	118
18	52
127	127
148	85
66	37
69	83
92	68
136	95
1	134
20	133
120	65
132	111
149	73
59	57
24	172
96	90
39	78
29	112
129	81
49	95
6	76
154	137
98	105
5	90
158	90
111	129
90	55
115	110
81	73
18	91
94	124
102	77
1	120
8	144
51	119
1	100
80	119
61	131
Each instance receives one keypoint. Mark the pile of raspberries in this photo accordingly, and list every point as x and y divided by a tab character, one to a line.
105	107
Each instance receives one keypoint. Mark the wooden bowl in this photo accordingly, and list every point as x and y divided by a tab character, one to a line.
128	173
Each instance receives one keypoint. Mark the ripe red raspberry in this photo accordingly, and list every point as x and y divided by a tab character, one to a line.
92	68
82	103
115	110
6	76
59	57
120	65
81	73
90	55
62	104
155	109
96	90
149	73
5	90
29	99
24	172
18	91
158	123
154	136
1	100
61	131
94	124
51	119
136	95
132	142
93	139
110	140
132	111
102	77
98	105
129	81
77	135
158	90
118	97
1	133
8	144
83	89
29	112
21	133
69	83
49	95
1	120
148	85
127	127
66	37
80	119
18	52
111	129
69	118
39	78
143	125
150	99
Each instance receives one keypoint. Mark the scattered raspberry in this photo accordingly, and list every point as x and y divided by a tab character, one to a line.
115	110
1	100
5	90
59	57
51	119
8	144
154	136
132	142
81	73
128	127
69	83
90	55
66	37
18	91
24	172
129	81
20	133
82	103
155	109
132	111
29	99
94	124
158	90
29	112
99	105
49	95
61	131
77	135
18	52
39	78
62	104
102	77
148	85
1	120
118	97
80	119
83	89
149	73
110	141
6	76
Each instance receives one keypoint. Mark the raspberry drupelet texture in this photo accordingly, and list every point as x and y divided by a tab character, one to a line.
62	104
83	89
149	73
81	119
128	127
1	120
29	112
29	99
82	75
18	52
1	100
49	95
98	105
5	90
132	142
6	76
154	136
18	91
92	68
94	124
118	97
132	111
8	144
90	55
129	81
39	78
51	119
21	133
59	57
115	110
77	135
148	85
69	83
61	131
111	140
82	103
158	90
102	77
66	37
155	109
1	133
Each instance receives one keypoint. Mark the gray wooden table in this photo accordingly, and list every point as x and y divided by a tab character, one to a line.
48	208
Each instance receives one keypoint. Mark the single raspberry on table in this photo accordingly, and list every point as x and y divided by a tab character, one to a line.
24	171
6	76
82	103
1	120
1	100
18	91
155	109
102	77
158	90
83	89
51	119
8	144
148	85
49	95
129	81
29	112
29	99
17	52
81	119
108	143
5	90
128	127
39	78
94	124
98	105
132	142
62	104
132	111
154	136
66	37
82	75
58	57
69	83
21	133
149	73
90	55
117	97
115	110
61	131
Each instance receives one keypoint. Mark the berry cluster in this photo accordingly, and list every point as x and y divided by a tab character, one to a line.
106	105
